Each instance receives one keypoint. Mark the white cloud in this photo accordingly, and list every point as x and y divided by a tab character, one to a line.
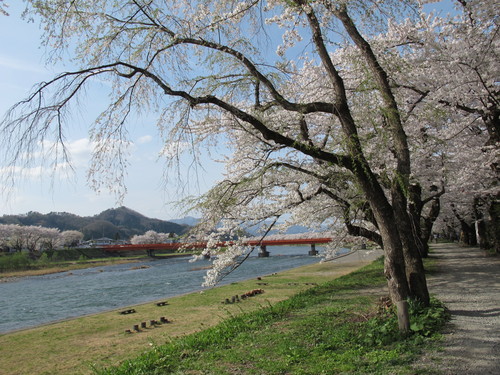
144	139
35	173
81	146
24	172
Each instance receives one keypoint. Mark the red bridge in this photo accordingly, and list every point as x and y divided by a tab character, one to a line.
150	248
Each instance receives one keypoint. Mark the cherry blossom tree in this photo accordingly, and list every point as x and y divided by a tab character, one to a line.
320	123
69	238
34	239
151	237
12	236
6	234
453	78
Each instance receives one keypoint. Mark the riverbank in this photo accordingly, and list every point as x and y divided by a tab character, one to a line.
75	346
343	326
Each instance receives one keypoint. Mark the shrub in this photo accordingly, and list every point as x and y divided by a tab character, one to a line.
15	261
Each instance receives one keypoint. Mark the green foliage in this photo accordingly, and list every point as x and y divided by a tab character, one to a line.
22	261
70	254
425	321
16	261
44	259
329	329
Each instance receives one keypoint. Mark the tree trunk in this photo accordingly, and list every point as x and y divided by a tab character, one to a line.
394	269
415	272
428	222
480	225
468	233
415	206
394	266
394	262
494	224
482	234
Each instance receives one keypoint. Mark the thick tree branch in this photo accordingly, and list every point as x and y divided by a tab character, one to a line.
391	111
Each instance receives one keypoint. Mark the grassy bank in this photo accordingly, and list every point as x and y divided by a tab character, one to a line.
339	327
294	324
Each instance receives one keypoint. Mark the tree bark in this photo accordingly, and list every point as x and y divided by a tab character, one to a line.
467	231
415	272
394	262
415	206
383	212
481	230
413	261
428	222
494	224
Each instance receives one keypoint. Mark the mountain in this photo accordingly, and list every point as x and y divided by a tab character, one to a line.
294	229
61	220
116	223
251	231
188	220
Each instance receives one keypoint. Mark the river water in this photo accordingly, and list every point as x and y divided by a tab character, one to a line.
31	301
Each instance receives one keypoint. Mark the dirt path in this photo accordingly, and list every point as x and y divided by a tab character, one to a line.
468	282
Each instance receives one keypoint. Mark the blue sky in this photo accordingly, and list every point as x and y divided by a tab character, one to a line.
22	64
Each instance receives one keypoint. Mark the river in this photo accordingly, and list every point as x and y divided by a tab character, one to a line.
35	300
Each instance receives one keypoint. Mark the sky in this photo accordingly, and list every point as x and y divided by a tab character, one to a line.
22	65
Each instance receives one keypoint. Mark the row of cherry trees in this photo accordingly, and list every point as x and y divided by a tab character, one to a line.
369	118
152	236
454	77
36	239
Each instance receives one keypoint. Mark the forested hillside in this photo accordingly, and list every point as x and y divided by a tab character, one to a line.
116	223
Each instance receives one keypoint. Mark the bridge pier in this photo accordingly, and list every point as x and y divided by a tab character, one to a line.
263	253
150	252
313	250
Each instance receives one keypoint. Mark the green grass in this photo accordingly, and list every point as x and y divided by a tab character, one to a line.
335	328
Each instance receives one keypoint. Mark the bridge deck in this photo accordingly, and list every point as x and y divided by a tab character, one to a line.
202	245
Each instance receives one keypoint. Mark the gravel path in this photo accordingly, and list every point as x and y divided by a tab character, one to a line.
468	282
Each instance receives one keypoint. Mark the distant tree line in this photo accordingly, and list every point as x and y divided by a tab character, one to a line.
36	239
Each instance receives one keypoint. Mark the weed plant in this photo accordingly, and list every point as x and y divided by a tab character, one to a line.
335	328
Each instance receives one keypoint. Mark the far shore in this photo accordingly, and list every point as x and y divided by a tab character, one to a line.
9	276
